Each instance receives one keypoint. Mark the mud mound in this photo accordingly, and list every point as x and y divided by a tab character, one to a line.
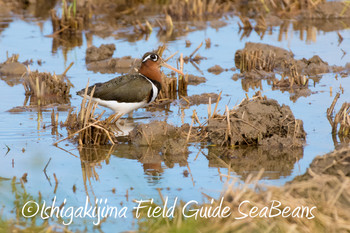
264	57
195	80
216	69
103	52
169	140
261	56
261	61
12	68
113	65
259	121
100	60
336	163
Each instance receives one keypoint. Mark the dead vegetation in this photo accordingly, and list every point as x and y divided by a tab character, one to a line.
72	20
341	121
291	78
256	121
248	60
140	28
44	88
290	6
172	86
86	128
197	9
67	28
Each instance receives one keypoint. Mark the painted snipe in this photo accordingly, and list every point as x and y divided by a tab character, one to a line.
132	91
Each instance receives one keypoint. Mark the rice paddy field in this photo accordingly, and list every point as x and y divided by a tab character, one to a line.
253	137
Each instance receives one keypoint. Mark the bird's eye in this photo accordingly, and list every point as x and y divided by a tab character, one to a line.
154	57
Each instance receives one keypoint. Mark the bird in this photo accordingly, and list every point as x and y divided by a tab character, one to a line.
129	92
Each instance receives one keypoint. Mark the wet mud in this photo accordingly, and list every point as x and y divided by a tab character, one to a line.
259	61
257	134
216	69
160	136
195	80
103	52
12	71
259	121
100	60
258	56
335	163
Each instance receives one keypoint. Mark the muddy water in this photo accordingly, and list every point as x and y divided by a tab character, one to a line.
124	173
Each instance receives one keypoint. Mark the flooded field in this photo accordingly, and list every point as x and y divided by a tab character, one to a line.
185	151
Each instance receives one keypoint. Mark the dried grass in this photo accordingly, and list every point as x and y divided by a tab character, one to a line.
290	6
86	128
172	86
196	9
255	60
72	21
294	79
44	88
341	119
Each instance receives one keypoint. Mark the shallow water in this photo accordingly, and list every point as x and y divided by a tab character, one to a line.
31	146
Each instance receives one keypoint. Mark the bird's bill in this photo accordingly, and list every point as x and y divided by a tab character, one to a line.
172	68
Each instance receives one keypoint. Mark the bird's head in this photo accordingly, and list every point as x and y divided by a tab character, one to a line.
150	66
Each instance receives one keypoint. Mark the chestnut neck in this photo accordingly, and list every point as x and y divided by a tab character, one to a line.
151	70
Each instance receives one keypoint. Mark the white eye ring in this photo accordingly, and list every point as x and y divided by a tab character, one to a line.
149	57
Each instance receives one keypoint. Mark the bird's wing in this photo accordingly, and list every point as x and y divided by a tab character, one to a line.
127	88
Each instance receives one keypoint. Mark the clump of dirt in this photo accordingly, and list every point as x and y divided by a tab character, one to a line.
264	57
163	137
216	69
257	121
195	80
169	139
259	56
336	163
113	65
12	67
199	99
100	60
105	51
261	61
43	88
